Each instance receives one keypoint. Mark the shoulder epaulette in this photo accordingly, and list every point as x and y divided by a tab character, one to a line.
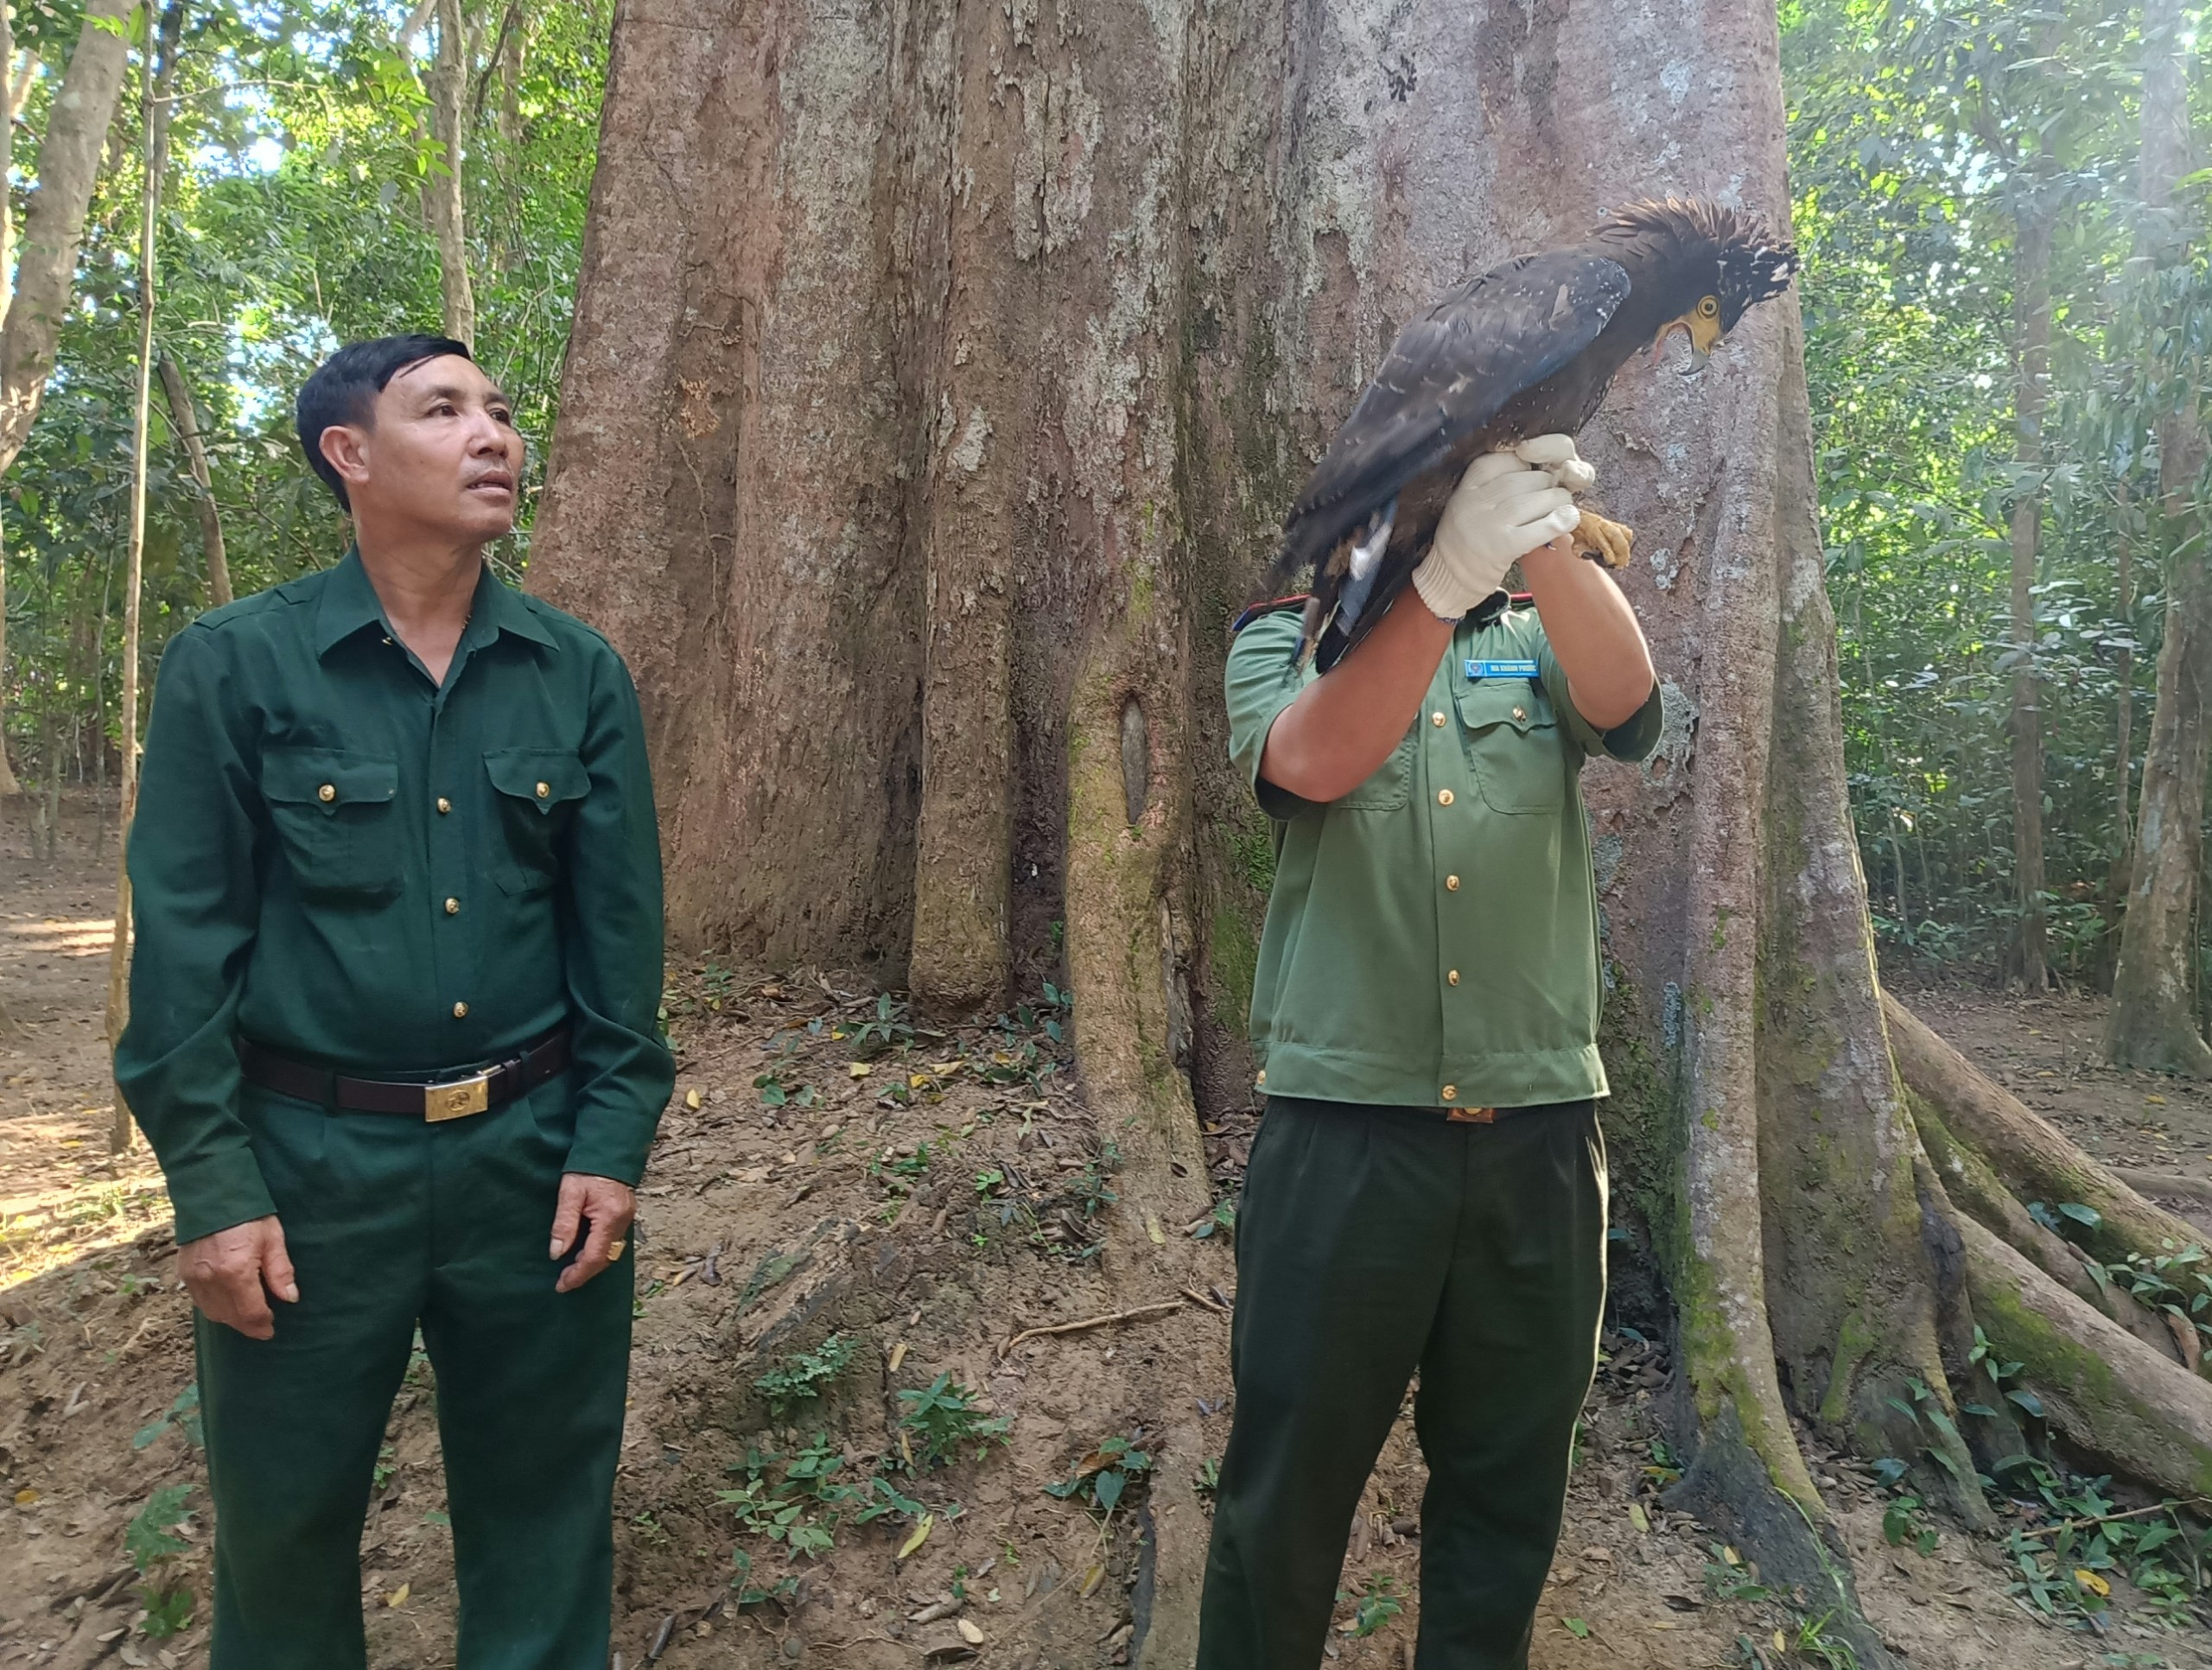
1521	600
1274	606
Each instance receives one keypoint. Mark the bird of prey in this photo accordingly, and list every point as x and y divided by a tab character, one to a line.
1527	349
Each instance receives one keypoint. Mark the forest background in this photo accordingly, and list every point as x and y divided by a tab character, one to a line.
1977	330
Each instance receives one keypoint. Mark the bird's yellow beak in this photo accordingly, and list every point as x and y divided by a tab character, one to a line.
1703	329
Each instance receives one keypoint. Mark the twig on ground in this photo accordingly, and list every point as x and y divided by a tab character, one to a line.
2106	1519
1138	1314
1200	1299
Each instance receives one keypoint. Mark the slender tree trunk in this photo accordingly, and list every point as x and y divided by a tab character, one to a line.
69	158
2032	352
187	421
2152	1021
7	783
2123	855
443	201
156	80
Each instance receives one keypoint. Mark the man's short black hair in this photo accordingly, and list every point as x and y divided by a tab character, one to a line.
344	387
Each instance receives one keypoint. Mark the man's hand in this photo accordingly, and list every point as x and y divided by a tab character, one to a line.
603	1207
229	1271
1500	510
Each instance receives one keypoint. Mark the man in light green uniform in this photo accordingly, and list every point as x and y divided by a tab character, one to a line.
393	1034
1427	1190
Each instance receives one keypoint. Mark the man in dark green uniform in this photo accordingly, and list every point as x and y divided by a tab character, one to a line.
393	1036
1427	1190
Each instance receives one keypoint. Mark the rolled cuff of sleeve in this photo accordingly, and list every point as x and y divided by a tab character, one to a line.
1635	737
216	1191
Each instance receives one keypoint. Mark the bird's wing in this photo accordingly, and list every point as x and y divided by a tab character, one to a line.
1451	372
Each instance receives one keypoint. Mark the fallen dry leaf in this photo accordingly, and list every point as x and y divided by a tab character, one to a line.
398	1597
691	1099
898	1355
969	1632
919	1535
1091	1579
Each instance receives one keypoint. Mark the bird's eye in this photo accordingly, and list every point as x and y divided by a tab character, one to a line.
1710	307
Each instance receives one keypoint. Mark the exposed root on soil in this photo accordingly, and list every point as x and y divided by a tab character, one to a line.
2034	1160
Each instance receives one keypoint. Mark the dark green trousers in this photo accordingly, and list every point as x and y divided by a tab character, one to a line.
394	1223
1372	1243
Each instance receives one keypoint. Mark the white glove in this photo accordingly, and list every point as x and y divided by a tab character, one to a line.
1556	453
1501	511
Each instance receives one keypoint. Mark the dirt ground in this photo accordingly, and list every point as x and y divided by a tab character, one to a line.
911	1202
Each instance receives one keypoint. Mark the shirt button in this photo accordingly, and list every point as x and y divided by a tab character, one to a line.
453	907
1453	977
1443	797
444	806
544	789
1437	720
1520	715
1262	1077
326	794
1451	1091
1451	883
460	1012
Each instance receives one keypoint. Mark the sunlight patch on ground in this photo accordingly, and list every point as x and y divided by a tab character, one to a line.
91	937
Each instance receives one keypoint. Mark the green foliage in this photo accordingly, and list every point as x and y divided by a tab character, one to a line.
183	1416
149	1542
803	1376
1103	1478
2063	1568
290	221
1727	1577
943	1416
1378	1603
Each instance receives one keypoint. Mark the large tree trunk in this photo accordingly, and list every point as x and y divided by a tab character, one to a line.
2152	1021
2031	386
939	379
69	155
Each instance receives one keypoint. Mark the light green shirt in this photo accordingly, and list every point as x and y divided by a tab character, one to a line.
1432	938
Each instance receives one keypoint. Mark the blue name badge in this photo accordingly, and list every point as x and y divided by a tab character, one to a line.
1501	669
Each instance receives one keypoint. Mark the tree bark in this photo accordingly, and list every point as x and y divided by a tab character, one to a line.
2031	240
69	158
187	421
2152	1022
156	81
444	200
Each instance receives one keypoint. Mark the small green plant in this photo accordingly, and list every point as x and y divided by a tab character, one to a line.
988	1180
1103	1478
1378	1604
1221	1220
1815	1644
889	1029
1986	1357
1663	1469
1728	1578
777	1091
649	1528
1208	1482
381	1475
149	1542
942	1417
1901	1525
183	1415
803	1376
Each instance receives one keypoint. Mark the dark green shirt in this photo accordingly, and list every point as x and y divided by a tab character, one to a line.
341	860
1432	937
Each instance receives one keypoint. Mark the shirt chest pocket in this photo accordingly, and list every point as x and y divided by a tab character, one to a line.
332	812
1512	739
536	790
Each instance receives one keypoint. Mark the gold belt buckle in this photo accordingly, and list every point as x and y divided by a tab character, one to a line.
457	1099
1472	1116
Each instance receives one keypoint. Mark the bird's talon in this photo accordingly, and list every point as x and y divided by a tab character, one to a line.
1602	540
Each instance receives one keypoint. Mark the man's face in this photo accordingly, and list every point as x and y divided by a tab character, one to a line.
442	456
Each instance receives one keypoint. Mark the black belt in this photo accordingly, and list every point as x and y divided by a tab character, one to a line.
437	1100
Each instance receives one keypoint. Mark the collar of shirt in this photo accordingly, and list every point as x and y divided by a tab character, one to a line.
349	604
